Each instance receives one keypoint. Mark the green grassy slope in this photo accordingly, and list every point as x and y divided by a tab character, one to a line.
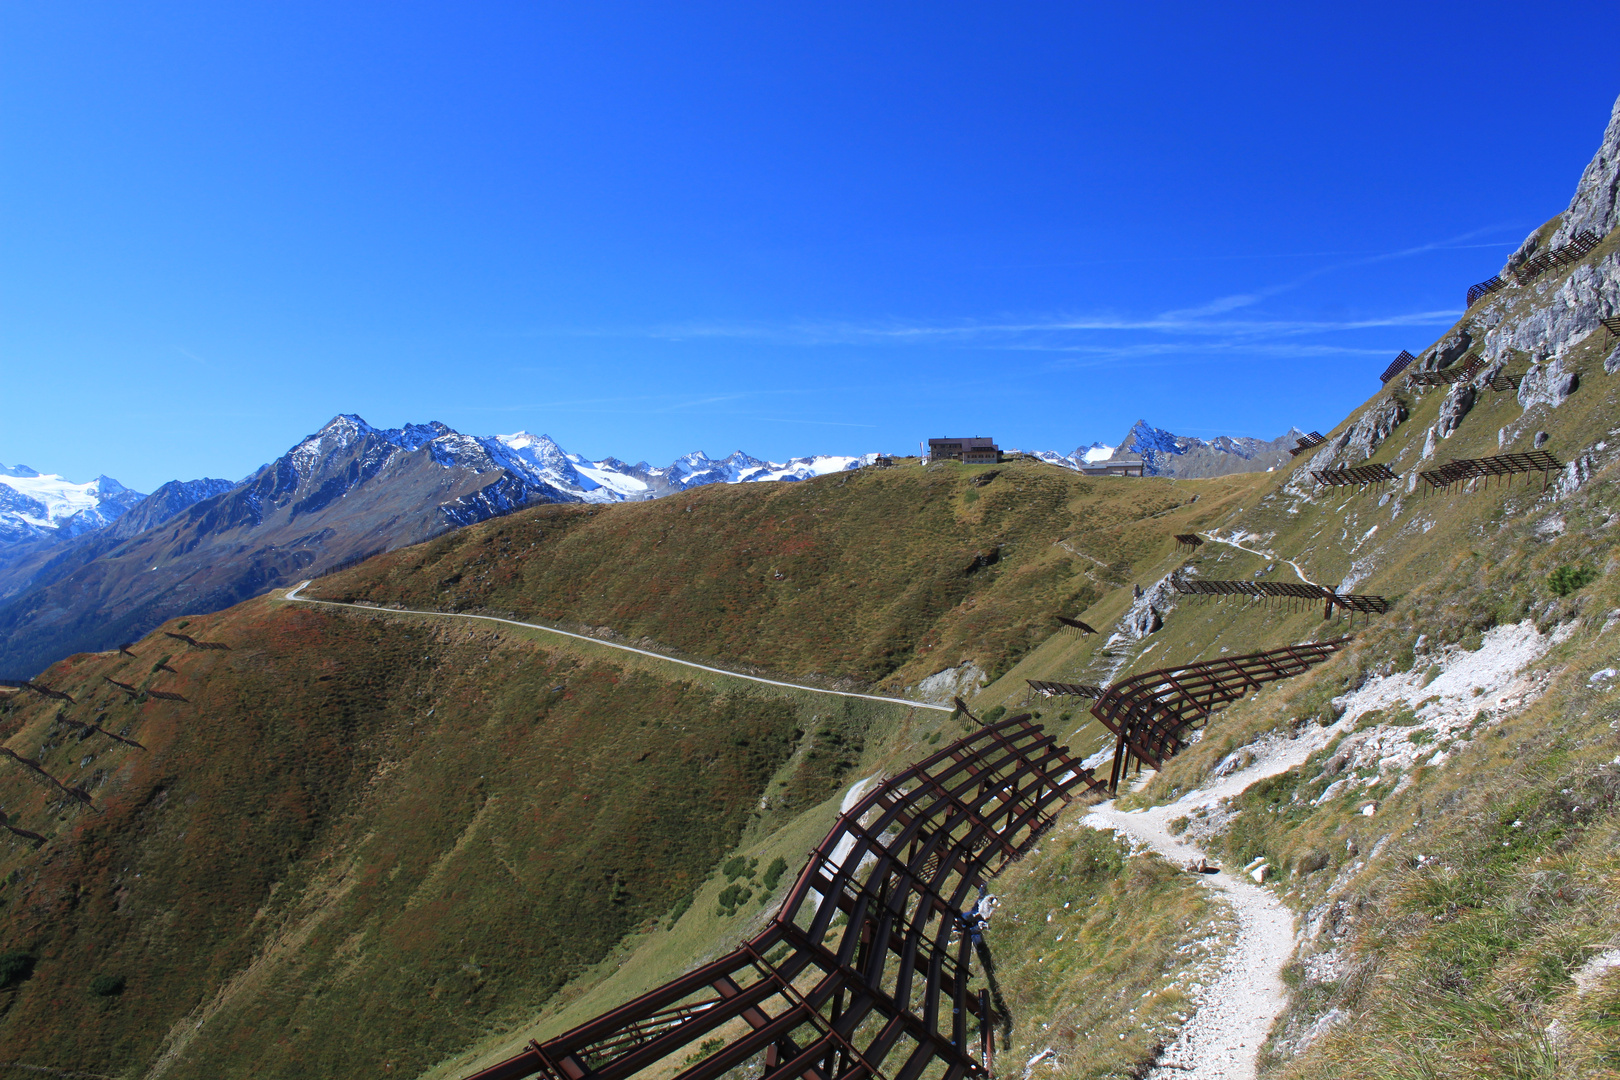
875	577
365	840
375	842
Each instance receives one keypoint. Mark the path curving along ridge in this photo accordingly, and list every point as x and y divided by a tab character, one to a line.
292	594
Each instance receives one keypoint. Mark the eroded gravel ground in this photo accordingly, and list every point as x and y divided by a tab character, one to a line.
1235	1013
1451	694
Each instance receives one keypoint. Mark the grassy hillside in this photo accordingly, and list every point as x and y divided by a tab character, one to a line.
367	842
387	844
1450	847
362	841
876	577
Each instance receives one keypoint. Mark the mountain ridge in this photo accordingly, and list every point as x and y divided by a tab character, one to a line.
346	490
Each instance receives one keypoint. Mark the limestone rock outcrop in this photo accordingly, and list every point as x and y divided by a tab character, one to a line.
1547	384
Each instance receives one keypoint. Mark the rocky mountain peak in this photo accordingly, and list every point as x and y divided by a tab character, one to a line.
1164	453
1596	205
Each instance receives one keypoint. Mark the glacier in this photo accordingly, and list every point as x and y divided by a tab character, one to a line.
35	504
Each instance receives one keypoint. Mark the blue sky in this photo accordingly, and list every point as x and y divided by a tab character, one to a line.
652	228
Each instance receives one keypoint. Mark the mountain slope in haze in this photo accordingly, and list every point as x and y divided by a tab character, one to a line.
348	489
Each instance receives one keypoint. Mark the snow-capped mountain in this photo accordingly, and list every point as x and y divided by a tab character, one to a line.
1167	454
1094	453
544	470
348	490
37	505
611	480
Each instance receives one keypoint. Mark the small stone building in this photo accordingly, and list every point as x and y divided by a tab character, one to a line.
969	450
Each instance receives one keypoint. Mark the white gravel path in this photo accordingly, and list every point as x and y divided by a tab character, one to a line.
1234	1015
1237	542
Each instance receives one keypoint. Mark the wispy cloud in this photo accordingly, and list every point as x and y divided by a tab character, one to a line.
1181	322
1236	322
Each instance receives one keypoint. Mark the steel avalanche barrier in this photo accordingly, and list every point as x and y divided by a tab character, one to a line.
1151	713
885	993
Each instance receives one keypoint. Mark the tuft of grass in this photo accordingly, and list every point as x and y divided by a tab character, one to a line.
1092	944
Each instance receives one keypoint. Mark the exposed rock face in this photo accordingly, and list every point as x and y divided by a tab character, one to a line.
1547	384
1454	408
1458	401
1561	318
1360	439
1596	205
940	688
1612	363
1448	350
1146	614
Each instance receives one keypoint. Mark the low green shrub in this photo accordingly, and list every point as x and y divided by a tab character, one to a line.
731	898
15	966
1567	579
107	985
774	872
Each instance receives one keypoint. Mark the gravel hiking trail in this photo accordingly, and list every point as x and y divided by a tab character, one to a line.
293	595
1234	1016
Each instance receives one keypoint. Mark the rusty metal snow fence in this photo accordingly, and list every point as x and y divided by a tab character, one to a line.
1567	255
1500	465
1492	284
1357	476
1065	689
886	992
1534	267
1314	438
1152	714
1397	365
1471	365
1290	593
